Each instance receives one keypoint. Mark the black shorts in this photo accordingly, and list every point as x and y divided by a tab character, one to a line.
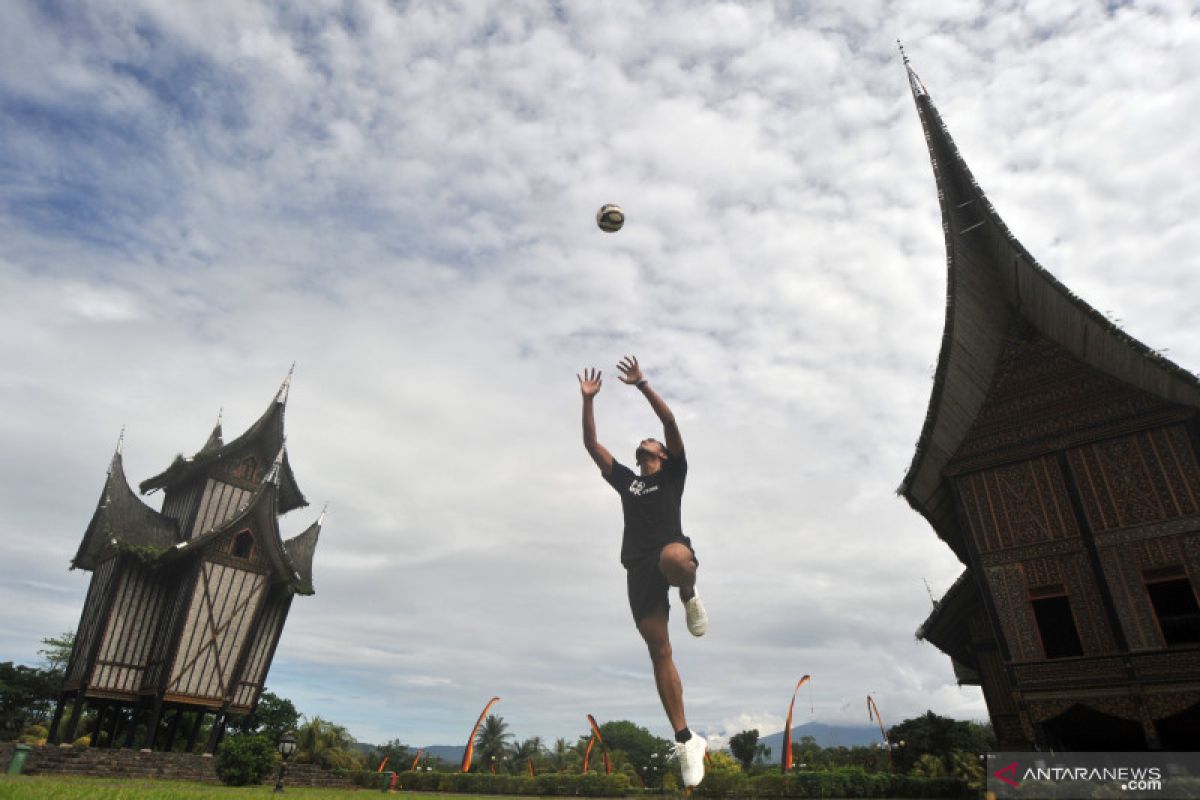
648	587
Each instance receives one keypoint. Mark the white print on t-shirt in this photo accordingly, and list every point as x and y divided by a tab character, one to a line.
639	488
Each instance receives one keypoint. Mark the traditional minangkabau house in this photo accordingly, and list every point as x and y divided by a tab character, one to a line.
186	605
1059	461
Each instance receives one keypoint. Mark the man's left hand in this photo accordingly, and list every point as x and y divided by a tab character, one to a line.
631	373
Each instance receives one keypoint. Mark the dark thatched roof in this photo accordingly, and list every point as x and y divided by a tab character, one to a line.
992	283
123	521
214	443
300	549
266	435
946	625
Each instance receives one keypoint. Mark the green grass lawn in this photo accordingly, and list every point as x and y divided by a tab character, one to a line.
55	787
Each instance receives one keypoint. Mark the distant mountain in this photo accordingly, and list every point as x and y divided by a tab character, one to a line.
452	753
825	735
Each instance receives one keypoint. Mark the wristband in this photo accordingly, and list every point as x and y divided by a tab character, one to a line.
641	383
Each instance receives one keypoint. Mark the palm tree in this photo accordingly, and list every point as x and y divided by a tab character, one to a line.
319	741
491	742
560	751
530	748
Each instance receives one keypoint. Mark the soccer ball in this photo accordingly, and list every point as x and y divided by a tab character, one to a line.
610	217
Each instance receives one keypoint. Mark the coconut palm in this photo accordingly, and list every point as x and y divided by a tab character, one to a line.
530	748
560	751
319	741
491	743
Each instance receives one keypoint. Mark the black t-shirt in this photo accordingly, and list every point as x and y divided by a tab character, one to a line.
651	507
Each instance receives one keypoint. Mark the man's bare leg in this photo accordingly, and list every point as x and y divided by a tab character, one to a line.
670	689
679	567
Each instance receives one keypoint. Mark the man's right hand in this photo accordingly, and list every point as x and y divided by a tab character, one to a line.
589	382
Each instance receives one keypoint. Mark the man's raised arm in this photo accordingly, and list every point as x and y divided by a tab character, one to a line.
631	373
589	387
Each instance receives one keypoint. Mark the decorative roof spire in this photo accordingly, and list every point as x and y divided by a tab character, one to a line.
282	396
321	519
918	88
117	453
215	439
273	475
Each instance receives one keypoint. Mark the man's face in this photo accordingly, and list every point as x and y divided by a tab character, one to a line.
650	453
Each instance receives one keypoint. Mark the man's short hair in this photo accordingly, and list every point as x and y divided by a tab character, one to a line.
664	455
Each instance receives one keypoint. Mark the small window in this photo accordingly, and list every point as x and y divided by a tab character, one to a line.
1060	638
1175	606
246	468
243	545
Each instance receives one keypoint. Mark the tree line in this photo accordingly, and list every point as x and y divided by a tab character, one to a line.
928	745
28	695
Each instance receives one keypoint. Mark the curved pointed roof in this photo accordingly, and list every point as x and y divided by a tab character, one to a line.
992	283
214	442
946	625
122	519
300	550
266	435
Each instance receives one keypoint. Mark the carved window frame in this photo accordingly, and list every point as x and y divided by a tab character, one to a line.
1175	573
245	535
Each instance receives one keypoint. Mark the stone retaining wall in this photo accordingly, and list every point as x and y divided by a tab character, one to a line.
118	763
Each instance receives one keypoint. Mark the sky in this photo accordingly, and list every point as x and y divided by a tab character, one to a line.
400	197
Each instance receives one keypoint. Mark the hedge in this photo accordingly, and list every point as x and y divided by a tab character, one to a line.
590	785
843	783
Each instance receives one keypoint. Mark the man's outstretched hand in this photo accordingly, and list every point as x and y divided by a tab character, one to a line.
589	382
631	373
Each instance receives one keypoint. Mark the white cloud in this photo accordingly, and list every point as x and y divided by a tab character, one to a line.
401	200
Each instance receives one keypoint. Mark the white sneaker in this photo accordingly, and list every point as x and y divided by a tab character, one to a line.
697	617
691	759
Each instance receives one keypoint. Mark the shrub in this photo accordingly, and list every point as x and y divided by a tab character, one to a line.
850	782
34	734
369	778
338	758
244	759
590	785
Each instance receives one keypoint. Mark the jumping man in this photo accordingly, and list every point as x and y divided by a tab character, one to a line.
654	551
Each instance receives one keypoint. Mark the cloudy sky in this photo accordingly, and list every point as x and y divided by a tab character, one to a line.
400	198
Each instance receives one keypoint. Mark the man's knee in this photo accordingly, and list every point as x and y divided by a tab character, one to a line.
654	632
659	651
676	563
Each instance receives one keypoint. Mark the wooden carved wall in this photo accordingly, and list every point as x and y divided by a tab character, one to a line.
219	616
1146	477
220	502
1022	524
1018	505
262	648
90	622
120	664
1043	397
1141	496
